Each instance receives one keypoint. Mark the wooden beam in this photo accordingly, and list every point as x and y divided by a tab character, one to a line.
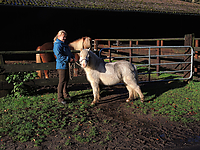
6	68
2	78
43	82
31	52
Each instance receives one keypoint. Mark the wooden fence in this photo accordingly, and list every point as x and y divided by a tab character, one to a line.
11	68
188	40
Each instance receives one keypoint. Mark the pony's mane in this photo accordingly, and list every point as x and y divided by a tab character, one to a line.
93	55
96	61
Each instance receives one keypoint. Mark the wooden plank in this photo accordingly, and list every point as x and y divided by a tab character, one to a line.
197	49
25	52
44	82
31	52
2	78
27	67
6	68
54	81
197	60
163	39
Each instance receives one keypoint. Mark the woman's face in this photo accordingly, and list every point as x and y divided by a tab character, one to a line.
62	37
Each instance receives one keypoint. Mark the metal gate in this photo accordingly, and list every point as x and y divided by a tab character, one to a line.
182	60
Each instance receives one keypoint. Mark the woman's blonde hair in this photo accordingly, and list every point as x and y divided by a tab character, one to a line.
59	33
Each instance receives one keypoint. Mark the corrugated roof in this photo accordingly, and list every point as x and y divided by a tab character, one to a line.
159	6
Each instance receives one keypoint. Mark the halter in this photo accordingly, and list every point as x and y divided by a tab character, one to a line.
85	60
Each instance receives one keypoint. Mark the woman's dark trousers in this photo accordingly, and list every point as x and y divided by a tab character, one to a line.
62	85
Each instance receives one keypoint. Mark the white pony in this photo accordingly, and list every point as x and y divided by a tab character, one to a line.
99	72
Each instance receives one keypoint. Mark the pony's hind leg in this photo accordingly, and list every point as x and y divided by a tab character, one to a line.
132	93
138	90
46	74
132	84
38	60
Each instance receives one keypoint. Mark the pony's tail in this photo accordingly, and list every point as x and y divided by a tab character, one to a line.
38	60
135	94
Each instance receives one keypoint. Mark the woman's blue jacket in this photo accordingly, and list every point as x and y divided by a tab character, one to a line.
63	54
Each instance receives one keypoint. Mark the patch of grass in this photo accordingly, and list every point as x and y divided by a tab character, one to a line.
178	104
32	118
93	132
108	138
162	76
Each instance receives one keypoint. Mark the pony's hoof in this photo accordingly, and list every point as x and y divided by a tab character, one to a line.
92	104
142	100
128	100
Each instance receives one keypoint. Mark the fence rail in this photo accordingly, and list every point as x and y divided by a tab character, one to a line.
150	56
10	68
188	40
31	52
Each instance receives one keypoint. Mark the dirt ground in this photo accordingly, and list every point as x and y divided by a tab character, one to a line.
127	131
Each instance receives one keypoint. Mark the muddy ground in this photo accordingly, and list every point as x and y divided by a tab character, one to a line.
127	130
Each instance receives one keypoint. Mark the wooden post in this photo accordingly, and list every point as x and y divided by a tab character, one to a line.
158	58
137	51
196	57
130	51
95	45
189	41
109	51
3	92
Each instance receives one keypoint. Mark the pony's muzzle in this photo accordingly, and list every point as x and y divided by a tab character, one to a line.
83	63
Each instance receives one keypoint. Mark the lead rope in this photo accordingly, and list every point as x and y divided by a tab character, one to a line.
70	71
72	67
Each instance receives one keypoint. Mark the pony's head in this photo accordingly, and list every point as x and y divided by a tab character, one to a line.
84	57
86	42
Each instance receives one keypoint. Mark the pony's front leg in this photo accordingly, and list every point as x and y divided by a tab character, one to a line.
96	95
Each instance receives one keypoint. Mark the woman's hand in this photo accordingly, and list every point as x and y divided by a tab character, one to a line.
73	60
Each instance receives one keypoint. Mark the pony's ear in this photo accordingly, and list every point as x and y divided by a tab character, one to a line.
83	38
81	49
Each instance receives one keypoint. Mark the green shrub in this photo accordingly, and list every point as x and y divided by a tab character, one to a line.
18	80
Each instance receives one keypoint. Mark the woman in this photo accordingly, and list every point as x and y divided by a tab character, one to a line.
63	57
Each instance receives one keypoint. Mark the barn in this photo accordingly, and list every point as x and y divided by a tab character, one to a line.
25	24
169	116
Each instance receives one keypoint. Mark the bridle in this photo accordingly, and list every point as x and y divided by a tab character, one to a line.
86	59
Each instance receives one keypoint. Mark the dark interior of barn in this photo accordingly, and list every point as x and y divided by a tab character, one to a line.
25	28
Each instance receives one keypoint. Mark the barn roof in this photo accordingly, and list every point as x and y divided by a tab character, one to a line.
158	6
